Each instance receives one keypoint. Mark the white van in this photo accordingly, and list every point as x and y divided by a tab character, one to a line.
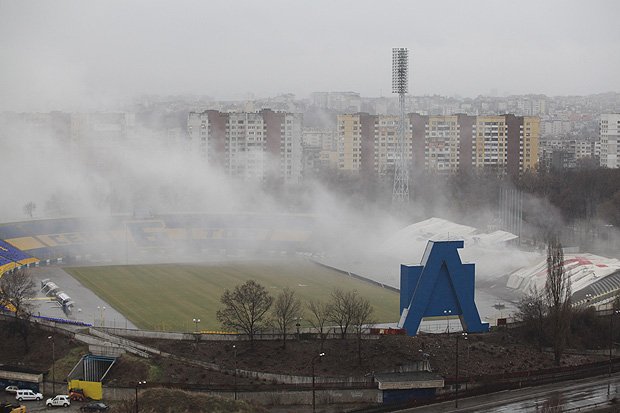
22	395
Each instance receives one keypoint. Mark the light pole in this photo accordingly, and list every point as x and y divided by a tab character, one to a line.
101	319
235	354
313	379
456	398
297	324
53	364
138	384
447	313
611	344
196	321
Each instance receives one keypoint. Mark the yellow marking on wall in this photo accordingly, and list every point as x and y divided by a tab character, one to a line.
177	233
12	265
91	389
26	243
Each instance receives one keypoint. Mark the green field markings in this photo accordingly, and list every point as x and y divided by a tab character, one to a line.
169	296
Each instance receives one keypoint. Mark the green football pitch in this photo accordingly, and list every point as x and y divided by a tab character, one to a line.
168	296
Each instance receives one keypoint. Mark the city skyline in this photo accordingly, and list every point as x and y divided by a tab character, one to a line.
68	54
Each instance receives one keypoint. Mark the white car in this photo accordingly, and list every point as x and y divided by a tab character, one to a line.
25	394
60	400
11	389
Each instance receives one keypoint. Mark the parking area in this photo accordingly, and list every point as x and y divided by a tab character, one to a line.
89	308
40	406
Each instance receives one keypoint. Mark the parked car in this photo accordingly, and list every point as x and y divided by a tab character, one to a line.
95	407
11	389
22	395
60	400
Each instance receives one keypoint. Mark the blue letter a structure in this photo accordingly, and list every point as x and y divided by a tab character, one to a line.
441	284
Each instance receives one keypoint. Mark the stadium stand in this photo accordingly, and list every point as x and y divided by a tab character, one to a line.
11	257
83	239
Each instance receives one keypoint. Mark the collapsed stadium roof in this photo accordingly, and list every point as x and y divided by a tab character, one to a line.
589	274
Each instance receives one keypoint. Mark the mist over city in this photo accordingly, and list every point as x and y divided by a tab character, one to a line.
348	136
108	120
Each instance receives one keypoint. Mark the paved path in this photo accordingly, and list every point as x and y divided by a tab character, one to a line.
89	308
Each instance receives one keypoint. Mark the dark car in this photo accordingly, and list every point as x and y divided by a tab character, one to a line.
95	407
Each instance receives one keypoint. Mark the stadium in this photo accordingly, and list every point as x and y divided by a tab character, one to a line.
116	261
161	272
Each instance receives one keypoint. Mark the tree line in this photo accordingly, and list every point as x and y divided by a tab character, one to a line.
250	308
550	317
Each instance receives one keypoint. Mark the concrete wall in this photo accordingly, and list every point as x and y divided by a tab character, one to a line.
284	398
165	335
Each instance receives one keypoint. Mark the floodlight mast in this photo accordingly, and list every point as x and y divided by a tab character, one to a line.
400	85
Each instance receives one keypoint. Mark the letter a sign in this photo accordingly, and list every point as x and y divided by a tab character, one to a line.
441	283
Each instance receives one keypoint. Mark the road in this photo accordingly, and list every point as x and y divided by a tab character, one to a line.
577	395
40	407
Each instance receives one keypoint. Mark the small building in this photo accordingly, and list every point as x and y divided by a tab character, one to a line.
407	387
21	377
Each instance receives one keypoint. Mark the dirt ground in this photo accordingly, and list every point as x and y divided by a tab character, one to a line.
479	354
491	353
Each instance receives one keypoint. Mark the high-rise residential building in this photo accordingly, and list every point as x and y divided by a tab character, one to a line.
439	143
384	139
249	145
528	143
490	143
506	143
609	130
350	141
367	143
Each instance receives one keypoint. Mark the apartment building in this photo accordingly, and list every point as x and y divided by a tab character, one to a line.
609	131
439	143
385	140
249	145
367	143
506	143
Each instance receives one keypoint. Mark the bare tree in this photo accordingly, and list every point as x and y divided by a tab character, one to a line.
16	290
245	308
362	318
533	312
341	309
29	208
286	308
558	298
320	311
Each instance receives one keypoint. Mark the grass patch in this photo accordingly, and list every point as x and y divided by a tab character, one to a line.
64	365
167	297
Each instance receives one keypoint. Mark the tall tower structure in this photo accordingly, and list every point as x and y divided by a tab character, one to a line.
400	85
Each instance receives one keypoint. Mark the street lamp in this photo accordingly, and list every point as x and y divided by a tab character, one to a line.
313	376
53	364
196	321
138	384
297	324
611	343
101	319
447	313
235	353
456	398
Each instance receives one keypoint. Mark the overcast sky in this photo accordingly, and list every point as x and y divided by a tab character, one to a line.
58	54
